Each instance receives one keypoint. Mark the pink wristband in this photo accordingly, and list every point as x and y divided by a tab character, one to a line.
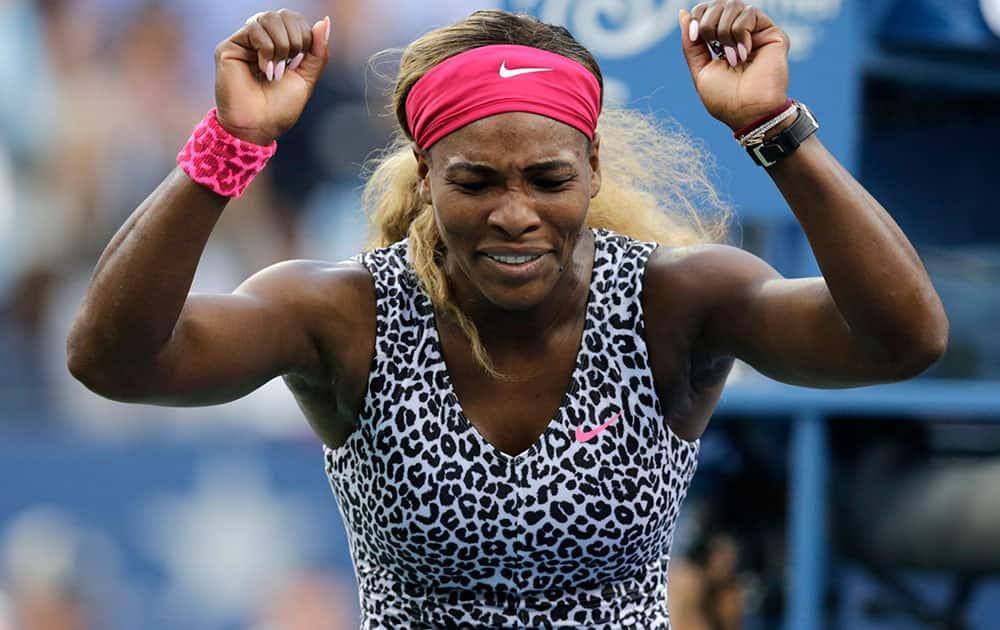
220	161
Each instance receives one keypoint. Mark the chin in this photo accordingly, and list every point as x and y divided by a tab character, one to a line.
518	292
523	299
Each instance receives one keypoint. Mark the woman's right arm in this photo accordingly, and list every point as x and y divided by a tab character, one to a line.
138	335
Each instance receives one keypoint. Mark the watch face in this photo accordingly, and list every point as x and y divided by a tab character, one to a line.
808	112
991	13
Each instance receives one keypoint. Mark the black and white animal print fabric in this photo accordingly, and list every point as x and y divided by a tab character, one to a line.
447	531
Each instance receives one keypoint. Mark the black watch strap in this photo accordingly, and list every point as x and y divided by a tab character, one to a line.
782	145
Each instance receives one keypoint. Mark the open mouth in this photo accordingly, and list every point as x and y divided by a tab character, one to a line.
514	260
517	268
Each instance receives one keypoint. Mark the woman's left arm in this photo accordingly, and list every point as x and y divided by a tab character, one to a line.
875	277
874	315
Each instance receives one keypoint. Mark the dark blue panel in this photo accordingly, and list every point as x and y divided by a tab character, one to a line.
929	155
936	24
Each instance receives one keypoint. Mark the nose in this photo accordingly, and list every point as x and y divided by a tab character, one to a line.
515	215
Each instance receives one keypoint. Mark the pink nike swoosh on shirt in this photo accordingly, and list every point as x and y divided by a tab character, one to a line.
584	436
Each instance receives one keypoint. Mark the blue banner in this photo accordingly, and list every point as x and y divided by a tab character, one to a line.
638	46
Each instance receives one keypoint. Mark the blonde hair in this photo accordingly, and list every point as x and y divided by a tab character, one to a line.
655	185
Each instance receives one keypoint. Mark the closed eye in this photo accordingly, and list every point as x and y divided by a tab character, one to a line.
553	185
471	186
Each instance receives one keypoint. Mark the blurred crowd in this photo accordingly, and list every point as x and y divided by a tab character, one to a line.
102	95
61	576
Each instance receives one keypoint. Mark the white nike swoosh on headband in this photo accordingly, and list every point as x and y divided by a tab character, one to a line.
506	73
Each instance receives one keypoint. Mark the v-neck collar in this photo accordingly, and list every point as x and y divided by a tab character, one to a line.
450	396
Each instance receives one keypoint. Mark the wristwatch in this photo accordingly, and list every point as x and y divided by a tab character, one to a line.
779	147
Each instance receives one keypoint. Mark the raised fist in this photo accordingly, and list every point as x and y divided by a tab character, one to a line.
749	78
266	71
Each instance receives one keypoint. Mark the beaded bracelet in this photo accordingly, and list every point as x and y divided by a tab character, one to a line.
757	135
764	124
220	161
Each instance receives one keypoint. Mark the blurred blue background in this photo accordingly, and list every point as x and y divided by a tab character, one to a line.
868	509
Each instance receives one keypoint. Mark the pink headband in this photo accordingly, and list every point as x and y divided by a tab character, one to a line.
501	78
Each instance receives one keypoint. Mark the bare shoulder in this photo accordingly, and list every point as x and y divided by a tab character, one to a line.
307	280
703	274
684	291
707	267
335	301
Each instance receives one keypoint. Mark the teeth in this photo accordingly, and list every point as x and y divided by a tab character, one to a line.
514	260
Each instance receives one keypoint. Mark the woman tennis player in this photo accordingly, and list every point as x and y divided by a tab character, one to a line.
510	385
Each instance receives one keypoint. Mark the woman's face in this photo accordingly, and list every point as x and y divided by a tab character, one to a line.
510	195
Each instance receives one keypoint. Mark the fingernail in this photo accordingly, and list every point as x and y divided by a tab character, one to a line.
269	73
296	60
693	31
279	70
743	51
731	55
327	37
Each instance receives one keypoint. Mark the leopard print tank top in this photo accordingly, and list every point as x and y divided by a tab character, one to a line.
447	531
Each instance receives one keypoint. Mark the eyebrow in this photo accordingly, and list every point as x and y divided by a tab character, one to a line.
472	167
549	165
533	169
